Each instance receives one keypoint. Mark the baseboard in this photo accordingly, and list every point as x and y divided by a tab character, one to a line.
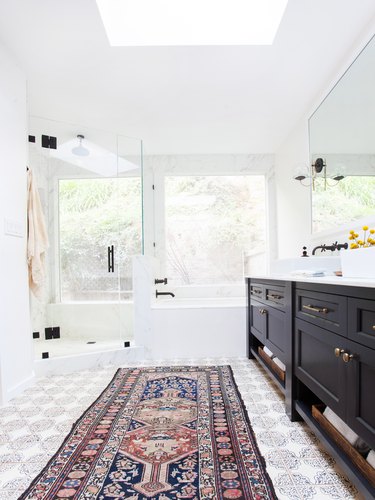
18	389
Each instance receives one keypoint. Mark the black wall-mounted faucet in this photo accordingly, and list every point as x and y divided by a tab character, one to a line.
163	293
333	247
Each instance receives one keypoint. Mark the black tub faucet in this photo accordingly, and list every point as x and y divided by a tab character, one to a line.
159	281
163	293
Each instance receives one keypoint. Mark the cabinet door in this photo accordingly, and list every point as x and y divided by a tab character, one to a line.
361	391
317	366
258	320
275	334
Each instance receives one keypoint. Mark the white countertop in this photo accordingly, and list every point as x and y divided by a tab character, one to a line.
328	280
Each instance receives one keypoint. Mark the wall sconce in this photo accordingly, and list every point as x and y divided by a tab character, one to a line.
318	169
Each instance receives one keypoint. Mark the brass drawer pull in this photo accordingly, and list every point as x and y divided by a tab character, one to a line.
256	292
263	311
276	297
339	352
323	310
346	357
373	327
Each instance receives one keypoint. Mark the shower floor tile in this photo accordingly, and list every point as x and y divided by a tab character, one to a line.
33	426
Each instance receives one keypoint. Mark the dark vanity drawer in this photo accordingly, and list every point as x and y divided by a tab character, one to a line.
322	309
361	321
275	296
257	291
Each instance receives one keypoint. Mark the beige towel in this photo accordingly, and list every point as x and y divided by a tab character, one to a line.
371	458
37	238
279	363
268	352
346	431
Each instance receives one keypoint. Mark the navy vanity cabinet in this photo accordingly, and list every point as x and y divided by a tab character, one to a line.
267	319
334	364
325	335
269	324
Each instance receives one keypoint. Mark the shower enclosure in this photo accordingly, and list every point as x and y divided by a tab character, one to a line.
90	185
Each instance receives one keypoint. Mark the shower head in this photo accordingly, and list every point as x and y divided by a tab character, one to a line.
80	150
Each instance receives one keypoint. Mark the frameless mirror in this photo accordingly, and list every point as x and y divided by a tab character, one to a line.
342	131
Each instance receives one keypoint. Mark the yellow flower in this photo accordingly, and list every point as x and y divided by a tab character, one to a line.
360	242
365	228
353	245
351	237
351	232
372	231
355	235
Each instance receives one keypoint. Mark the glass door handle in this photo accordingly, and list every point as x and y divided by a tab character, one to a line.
111	259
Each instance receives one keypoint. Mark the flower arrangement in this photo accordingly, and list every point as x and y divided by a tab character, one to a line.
365	242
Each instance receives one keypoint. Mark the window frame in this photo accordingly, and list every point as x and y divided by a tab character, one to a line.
156	169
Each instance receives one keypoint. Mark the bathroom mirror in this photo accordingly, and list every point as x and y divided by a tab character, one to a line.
342	131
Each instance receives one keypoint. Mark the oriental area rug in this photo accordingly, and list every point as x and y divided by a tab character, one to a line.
162	433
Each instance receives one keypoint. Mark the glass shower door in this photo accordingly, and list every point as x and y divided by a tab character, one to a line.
93	207
89	222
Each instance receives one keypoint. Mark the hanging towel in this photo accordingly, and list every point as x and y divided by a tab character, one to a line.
37	238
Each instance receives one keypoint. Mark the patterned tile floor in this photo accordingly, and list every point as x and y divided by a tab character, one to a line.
33	426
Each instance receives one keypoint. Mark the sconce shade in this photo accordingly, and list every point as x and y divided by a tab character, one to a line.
318	170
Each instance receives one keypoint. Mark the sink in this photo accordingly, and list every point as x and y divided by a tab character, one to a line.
327	264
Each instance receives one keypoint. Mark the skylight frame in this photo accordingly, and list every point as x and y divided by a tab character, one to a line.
191	22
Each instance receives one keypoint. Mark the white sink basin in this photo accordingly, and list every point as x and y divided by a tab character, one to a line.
327	264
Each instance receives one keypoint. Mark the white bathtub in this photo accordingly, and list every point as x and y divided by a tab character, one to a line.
198	328
199	303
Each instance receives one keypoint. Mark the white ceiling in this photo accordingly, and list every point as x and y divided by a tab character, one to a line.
180	99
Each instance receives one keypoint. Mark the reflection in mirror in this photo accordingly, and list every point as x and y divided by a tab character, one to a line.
350	200
342	131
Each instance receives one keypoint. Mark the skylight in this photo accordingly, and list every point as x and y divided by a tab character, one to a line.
191	22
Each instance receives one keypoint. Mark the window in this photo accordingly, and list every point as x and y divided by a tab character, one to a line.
214	226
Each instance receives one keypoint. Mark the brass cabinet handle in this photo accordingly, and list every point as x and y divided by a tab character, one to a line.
373	327
338	352
272	296
323	310
256	291
346	357
263	311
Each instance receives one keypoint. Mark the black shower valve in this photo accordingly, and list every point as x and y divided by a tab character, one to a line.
161	281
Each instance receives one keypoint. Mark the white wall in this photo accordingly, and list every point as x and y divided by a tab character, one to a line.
15	335
293	200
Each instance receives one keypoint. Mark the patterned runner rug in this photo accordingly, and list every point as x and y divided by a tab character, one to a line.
160	433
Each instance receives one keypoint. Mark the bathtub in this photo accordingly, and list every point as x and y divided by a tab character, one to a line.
197	328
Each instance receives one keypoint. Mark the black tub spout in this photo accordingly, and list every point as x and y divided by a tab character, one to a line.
163	293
